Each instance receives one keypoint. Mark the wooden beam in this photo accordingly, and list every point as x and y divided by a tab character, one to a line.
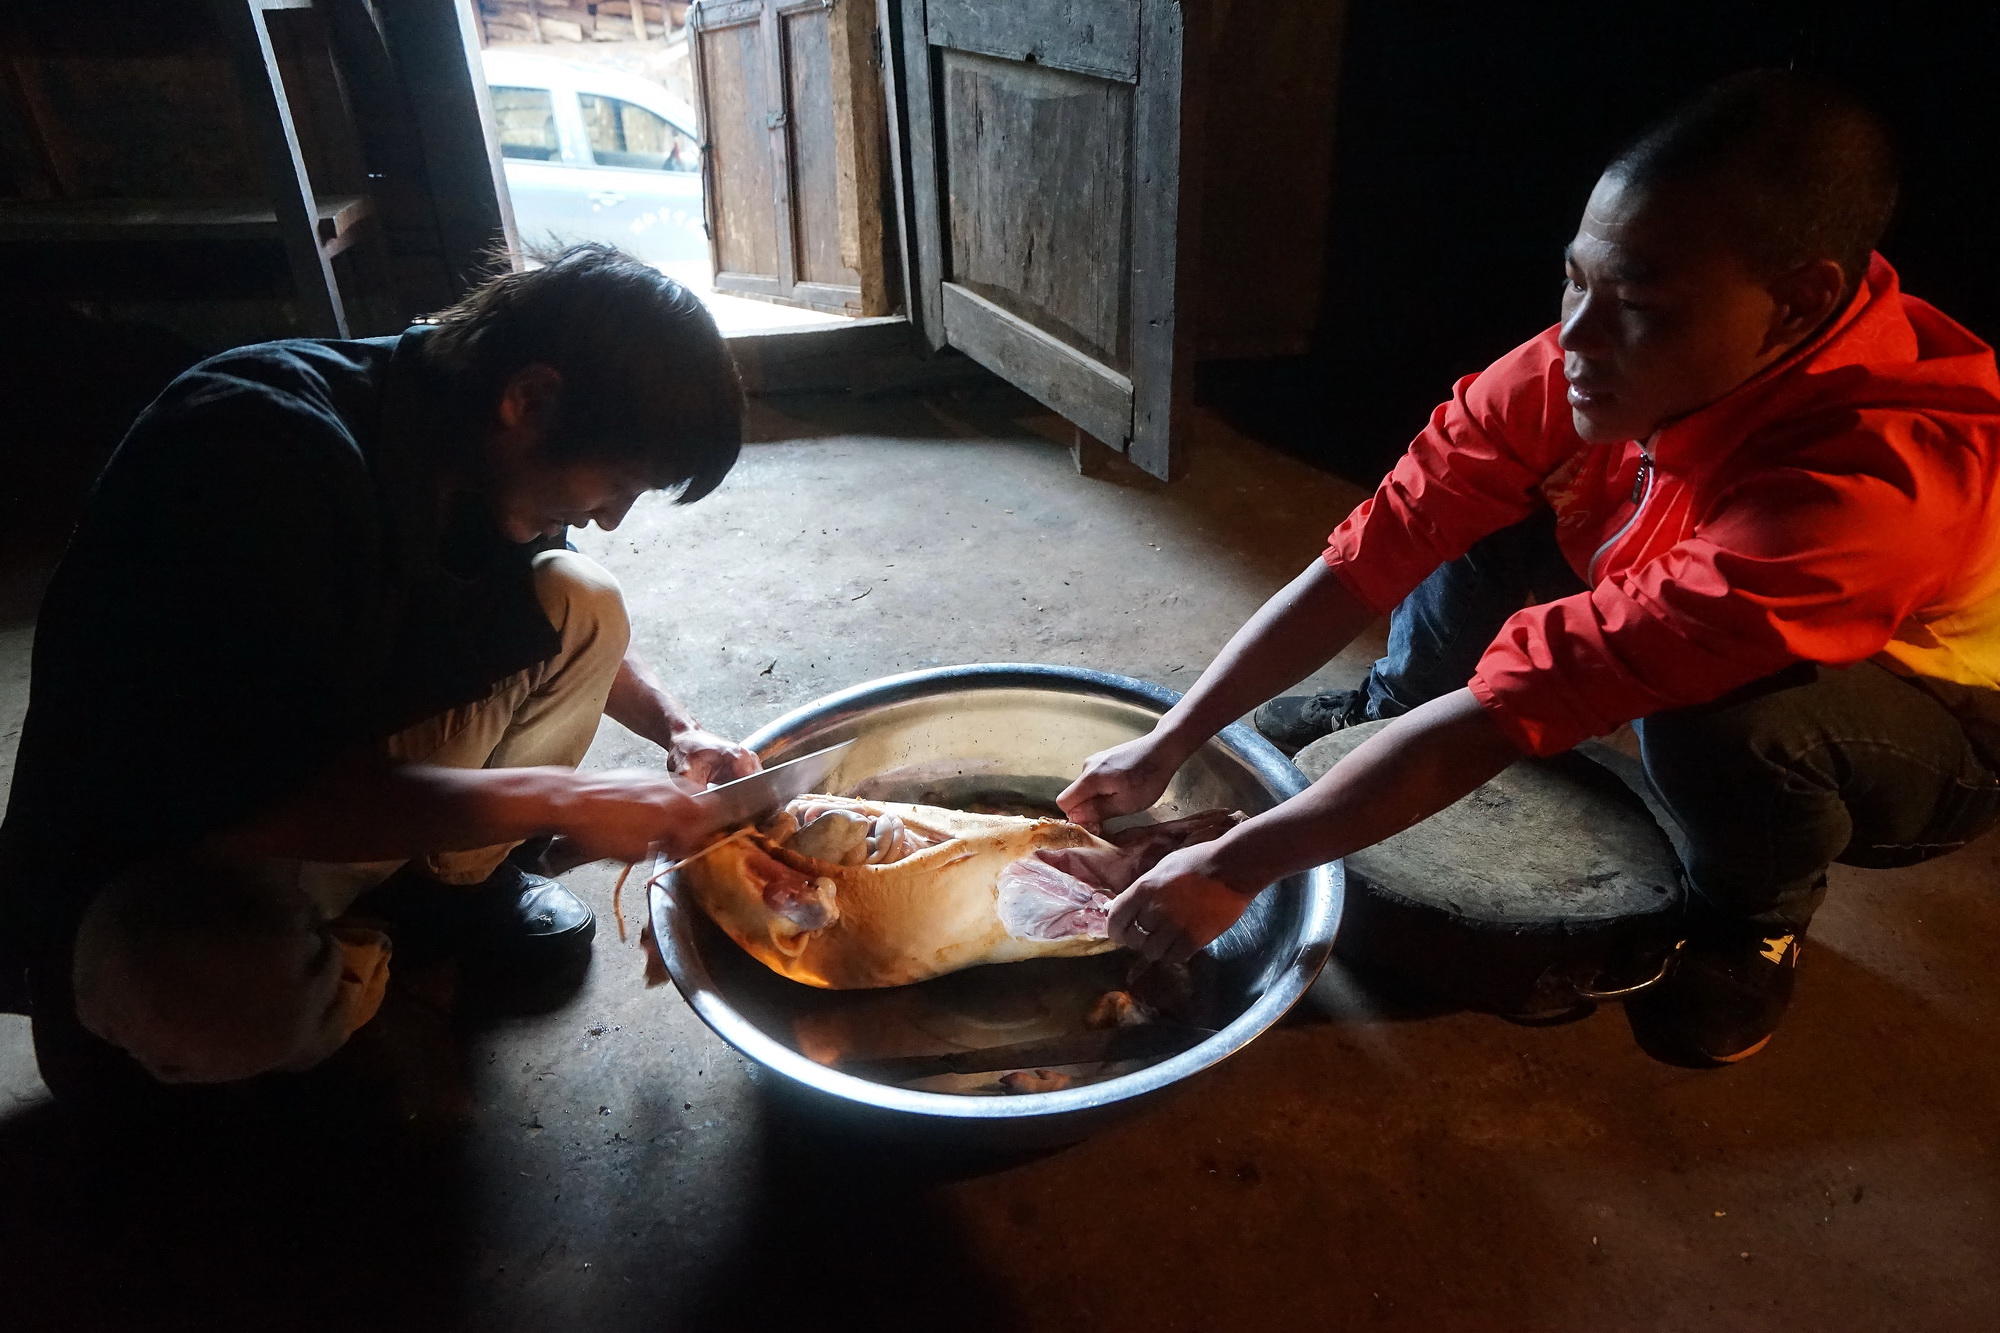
1097	39
926	220
859	130
1088	393
112	220
1165	197
890	35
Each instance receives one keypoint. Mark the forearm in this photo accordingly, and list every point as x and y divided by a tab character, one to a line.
641	704
1411	769
1291	636
370	811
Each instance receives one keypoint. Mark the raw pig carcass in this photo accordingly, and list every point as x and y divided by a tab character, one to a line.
850	894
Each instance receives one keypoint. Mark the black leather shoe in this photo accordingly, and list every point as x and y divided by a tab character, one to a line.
1297	720
519	920
513	922
1723	1000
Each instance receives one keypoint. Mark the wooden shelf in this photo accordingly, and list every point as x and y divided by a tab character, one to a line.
101	220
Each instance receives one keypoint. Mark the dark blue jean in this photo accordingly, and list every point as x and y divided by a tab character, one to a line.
1769	784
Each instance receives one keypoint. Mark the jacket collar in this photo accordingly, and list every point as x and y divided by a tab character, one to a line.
1872	325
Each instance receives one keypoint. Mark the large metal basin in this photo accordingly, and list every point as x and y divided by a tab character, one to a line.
958	730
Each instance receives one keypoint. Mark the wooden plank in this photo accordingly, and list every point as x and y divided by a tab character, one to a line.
1164	227
777	103
831	297
896	155
737	168
1093	396
811	140
1037	190
859	130
1097	38
117	220
727	14
926	200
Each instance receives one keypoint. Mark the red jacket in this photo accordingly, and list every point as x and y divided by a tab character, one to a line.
1839	506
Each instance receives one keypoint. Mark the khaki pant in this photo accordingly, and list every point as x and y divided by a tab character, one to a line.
214	1006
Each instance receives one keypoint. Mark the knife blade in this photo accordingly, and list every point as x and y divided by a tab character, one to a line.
748	800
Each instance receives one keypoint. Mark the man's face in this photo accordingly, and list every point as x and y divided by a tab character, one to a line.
531	499
531	496
1660	315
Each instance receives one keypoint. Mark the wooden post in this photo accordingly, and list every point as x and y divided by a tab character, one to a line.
639	20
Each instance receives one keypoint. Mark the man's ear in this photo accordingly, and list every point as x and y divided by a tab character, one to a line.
530	397
1806	298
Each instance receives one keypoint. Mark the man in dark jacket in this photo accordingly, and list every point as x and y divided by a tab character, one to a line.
318	627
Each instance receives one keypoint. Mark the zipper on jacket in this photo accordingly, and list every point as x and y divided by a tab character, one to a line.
1642	491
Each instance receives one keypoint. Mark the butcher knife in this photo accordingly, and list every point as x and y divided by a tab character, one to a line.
749	800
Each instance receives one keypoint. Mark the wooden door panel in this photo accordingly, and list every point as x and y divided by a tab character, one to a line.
741	220
1048	202
793	112
1037	179
815	174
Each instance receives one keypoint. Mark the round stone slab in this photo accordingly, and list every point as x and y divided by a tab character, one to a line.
1534	884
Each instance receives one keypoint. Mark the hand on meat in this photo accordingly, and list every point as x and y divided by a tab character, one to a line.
702	757
625	814
1179	906
1123	780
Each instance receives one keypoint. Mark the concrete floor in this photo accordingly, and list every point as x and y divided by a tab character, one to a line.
614	1166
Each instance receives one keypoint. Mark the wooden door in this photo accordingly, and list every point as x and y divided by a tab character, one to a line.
1049	204
793	180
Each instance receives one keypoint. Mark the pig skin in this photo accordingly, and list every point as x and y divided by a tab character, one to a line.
862	926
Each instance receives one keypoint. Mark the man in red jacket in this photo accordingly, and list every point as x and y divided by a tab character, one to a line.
1742	496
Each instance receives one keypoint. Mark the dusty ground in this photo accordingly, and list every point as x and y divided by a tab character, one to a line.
614	1166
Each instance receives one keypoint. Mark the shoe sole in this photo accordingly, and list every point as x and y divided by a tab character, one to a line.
1744	1054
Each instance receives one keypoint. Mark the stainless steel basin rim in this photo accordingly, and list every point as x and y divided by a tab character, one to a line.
1308	944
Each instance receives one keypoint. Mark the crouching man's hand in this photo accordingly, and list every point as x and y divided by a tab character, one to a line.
625	814
702	757
1177	908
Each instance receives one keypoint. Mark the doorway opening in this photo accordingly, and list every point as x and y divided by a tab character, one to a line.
739	147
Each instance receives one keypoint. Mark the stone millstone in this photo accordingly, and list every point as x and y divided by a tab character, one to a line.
1538	881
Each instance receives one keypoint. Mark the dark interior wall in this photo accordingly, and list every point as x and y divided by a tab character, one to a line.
1468	136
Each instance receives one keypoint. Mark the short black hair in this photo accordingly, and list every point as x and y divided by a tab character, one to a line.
1816	170
646	376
